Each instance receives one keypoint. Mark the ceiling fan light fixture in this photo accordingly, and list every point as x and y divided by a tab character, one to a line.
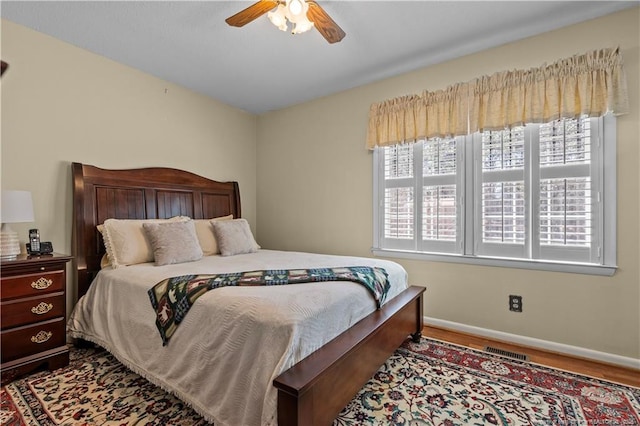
296	8
301	14
279	17
294	12
303	25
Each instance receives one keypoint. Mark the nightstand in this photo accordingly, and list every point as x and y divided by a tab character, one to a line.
32	314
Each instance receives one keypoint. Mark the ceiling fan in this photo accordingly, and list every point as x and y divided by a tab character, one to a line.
302	14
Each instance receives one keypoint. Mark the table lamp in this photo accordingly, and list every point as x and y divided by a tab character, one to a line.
17	207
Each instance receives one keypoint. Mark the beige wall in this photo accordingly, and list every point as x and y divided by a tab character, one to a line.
315	194
62	104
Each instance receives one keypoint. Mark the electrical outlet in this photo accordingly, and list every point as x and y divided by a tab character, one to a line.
515	303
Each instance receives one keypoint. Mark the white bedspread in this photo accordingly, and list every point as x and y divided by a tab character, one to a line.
235	340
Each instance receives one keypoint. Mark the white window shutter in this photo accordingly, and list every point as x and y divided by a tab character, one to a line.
535	193
500	194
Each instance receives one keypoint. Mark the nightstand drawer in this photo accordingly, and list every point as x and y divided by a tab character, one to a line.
32	309
32	284
28	340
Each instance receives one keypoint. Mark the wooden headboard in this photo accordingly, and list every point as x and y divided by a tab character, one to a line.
149	193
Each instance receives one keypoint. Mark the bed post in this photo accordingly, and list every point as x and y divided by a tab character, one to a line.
77	232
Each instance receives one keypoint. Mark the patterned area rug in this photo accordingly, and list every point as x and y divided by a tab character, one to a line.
429	383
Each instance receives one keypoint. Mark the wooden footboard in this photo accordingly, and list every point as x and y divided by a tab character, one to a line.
315	390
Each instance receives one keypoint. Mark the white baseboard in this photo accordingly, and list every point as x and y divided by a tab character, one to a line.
576	351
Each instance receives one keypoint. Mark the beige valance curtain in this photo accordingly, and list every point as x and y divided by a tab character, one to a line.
408	118
589	84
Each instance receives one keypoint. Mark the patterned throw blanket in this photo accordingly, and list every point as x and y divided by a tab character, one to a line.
173	297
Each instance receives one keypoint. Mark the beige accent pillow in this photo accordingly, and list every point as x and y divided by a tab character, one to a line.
125	240
234	237
204	231
173	242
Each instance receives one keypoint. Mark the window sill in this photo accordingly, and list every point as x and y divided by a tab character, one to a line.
540	265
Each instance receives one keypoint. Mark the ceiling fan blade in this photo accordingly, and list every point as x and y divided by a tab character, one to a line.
254	11
323	23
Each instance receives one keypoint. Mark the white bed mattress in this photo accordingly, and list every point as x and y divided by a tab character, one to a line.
235	340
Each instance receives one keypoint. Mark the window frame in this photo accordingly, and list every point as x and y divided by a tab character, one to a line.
602	260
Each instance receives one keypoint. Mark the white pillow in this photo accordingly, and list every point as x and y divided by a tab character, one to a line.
126	242
204	231
234	237
173	242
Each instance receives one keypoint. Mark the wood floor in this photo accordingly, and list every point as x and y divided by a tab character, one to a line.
600	370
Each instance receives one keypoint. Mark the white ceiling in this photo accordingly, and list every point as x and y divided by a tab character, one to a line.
258	68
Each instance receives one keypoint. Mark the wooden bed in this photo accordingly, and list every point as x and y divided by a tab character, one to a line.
312	392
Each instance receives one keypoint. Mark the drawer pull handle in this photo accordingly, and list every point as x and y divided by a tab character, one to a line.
41	283
41	337
42	308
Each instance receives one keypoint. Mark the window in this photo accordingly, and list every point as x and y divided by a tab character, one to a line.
530	196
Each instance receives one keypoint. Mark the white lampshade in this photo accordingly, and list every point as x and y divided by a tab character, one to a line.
296	8
279	17
16	207
302	26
